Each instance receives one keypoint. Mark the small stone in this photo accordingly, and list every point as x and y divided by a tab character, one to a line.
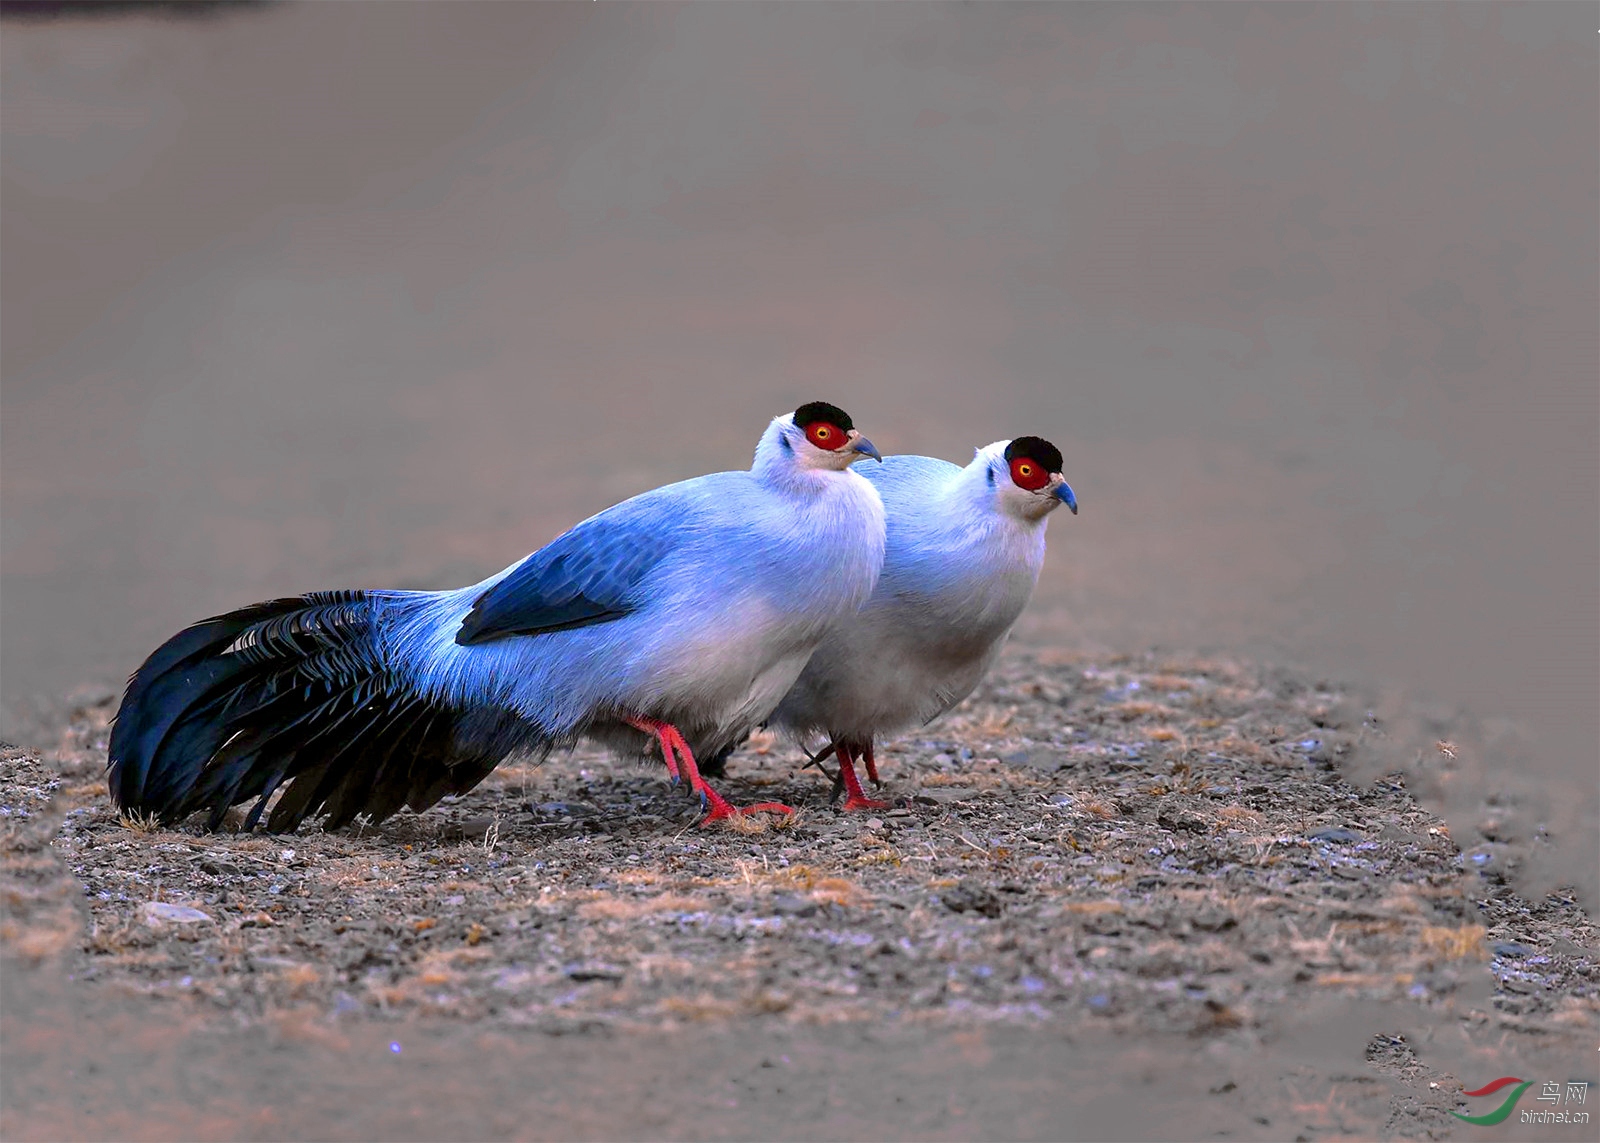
344	1004
158	913
1213	920
793	905
559	809
473	829
1176	816
874	824
971	898
584	972
1334	834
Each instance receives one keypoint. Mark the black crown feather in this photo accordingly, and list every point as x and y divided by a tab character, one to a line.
1036	449
813	411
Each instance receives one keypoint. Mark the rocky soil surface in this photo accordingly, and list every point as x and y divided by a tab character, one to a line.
1157	849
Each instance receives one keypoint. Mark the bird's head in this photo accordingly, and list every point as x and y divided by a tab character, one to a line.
1027	476
820	435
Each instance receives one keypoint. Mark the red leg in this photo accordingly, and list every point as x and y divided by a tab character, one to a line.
653	729
857	799
716	806
872	765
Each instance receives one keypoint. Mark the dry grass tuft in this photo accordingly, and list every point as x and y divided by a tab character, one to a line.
981	780
1445	943
769	1000
304	1025
882	856
139	822
631	908
34	944
1367	980
992	724
300	979
747	824
838	891
1168	682
1143	708
1240	817
1092	908
1242	748
704	1006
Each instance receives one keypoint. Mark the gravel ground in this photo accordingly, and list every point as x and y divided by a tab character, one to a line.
1136	846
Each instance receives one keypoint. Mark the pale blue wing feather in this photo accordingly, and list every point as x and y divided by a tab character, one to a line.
591	574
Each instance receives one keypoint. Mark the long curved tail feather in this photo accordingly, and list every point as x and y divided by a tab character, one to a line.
295	691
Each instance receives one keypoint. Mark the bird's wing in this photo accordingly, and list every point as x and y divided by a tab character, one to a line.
585	576
903	478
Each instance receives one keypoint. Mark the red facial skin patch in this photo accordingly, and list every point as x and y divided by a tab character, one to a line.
1029	474
824	435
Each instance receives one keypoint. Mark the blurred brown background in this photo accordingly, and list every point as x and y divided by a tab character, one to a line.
306	296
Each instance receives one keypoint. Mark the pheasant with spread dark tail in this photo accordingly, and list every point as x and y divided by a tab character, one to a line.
634	626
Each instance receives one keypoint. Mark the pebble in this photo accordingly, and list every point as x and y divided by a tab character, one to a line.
944	795
792	905
584	972
158	913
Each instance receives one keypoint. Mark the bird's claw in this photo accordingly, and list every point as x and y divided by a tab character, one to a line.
856	804
724	810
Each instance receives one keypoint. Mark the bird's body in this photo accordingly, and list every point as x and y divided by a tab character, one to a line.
711	655
965	547
689	609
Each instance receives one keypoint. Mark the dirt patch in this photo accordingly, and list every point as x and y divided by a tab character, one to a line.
1133	851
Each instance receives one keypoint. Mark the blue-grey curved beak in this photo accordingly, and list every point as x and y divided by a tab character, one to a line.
1066	496
865	448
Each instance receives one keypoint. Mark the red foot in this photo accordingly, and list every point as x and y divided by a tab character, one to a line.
857	800
676	752
720	809
872	765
